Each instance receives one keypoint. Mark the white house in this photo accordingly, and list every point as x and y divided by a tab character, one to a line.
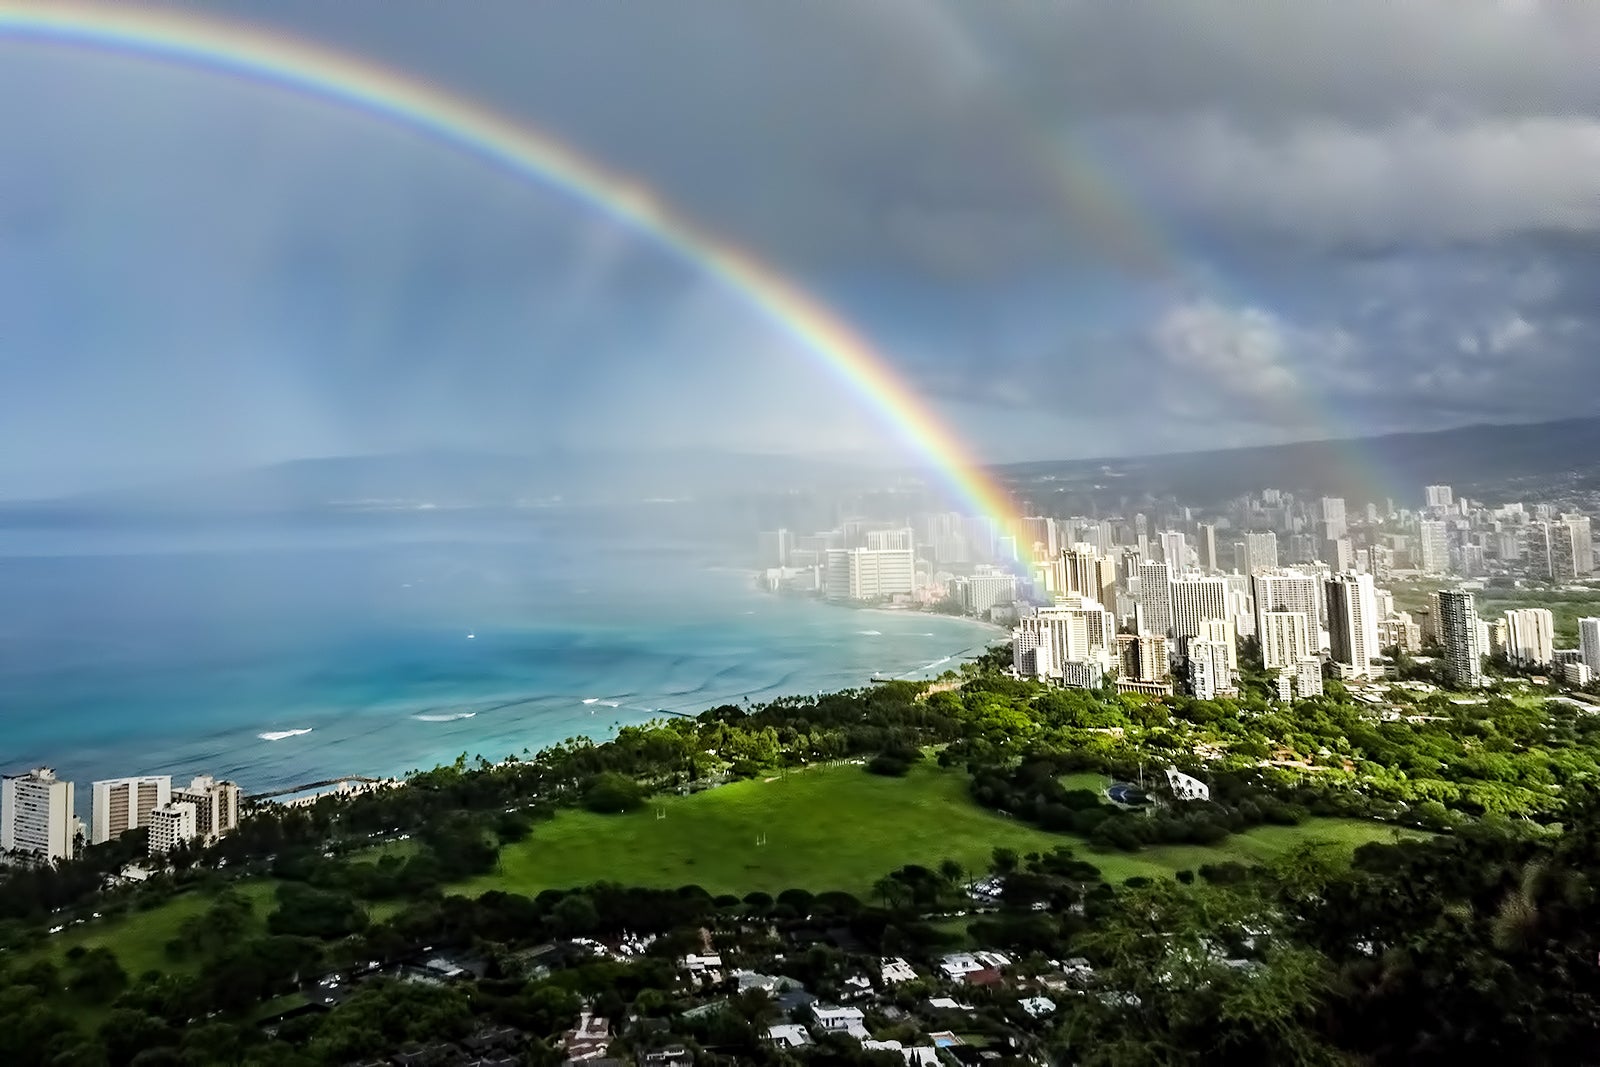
1038	1007
958	965
1185	787
896	970
841	1021
789	1035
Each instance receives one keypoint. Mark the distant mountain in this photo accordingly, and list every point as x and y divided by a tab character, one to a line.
1468	457
468	480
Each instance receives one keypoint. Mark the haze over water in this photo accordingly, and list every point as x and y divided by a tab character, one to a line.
282	651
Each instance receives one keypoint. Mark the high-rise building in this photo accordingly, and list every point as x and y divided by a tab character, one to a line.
1582	544
36	816
216	806
772	546
1352	623
1285	638
1207	548
869	573
1144	657
1302	548
1439	496
1082	571
1341	554
1222	632
1530	636
121	804
1175	551
1457	625
1195	599
984	590
1552	551
1333	519
1261	551
1289	590
1155	598
1589	643
1300	679
1209	673
1073	630
1433	547
171	825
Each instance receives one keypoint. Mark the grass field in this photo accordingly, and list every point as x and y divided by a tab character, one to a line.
828	828
139	938
835	828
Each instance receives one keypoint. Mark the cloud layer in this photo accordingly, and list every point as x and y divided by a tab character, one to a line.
1226	222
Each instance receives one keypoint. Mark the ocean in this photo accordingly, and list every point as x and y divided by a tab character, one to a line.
281	651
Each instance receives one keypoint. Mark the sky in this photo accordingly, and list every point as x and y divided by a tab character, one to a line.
1072	228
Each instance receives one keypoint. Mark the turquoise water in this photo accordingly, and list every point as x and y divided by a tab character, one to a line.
277	653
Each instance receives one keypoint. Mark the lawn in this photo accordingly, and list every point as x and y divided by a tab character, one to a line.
835	828
139	938
826	828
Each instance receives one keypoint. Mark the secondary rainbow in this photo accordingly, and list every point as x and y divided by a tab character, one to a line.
251	52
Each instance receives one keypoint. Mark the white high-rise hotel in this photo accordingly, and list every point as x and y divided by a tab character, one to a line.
121	804
36	815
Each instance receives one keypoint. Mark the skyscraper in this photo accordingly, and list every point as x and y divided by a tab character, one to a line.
1209	672
1207	548
36	815
1195	600
1333	520
1582	544
1458	634
1285	638
1155	598
1261	551
1433	547
1081	571
1552	550
1352	623
1289	591
1589	643
1073	630
121	804
1175	551
1439	496
1530	636
216	805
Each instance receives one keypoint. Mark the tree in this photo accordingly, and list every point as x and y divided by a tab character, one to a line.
611	793
97	975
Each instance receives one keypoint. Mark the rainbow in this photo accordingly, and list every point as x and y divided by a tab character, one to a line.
249	52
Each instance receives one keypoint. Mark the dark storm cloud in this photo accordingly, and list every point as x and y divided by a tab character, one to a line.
1201	214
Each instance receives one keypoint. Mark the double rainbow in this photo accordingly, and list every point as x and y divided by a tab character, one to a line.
252	53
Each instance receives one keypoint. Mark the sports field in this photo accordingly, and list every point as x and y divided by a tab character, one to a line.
835	828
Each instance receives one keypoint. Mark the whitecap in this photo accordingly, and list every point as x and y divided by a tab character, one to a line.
870	633
591	700
279	735
445	718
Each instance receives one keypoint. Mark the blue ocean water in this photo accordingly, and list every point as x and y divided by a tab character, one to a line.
278	652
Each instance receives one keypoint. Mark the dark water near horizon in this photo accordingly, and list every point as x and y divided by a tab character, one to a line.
277	652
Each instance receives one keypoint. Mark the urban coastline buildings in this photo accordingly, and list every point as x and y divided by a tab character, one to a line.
122	804
36	817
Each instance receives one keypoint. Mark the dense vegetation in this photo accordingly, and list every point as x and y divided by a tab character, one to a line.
1461	946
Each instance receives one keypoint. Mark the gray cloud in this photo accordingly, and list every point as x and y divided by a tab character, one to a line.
1387	212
